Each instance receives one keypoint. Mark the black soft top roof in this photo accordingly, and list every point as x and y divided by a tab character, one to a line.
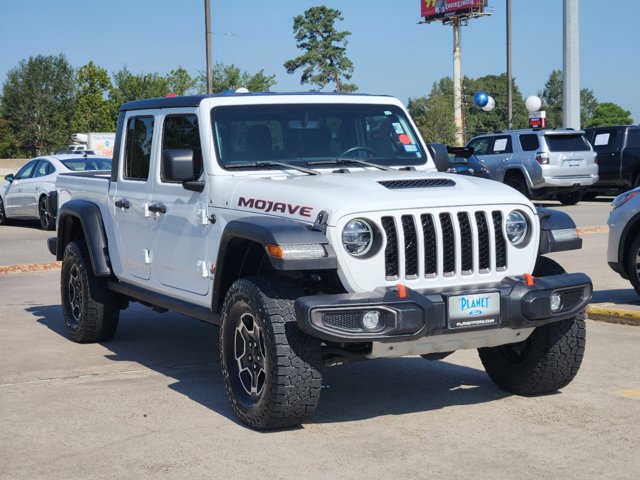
194	100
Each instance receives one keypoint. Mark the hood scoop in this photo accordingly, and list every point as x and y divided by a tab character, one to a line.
417	183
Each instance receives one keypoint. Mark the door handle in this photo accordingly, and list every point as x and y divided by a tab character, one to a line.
123	203
158	208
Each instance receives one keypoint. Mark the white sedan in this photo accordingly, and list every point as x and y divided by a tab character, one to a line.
24	195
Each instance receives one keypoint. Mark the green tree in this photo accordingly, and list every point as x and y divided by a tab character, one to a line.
552	101
180	82
433	115
93	111
128	87
324	60
609	113
9	147
38	103
230	77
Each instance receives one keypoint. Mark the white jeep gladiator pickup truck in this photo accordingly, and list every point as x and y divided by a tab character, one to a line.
315	229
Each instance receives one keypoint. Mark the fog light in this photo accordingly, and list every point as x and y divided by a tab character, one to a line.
556	302
371	320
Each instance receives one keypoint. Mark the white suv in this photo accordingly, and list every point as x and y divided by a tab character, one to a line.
540	164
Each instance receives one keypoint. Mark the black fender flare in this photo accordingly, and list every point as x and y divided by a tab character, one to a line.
264	230
93	231
550	220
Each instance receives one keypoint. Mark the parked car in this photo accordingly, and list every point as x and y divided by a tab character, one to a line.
463	162
618	150
24	195
623	249
541	164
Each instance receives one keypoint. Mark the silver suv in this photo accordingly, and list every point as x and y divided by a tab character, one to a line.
540	164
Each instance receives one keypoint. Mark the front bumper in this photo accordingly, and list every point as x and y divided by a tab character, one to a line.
407	314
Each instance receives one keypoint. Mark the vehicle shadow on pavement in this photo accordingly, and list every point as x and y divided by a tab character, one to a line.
187	351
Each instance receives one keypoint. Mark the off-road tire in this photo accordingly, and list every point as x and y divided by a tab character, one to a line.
91	311
517	181
3	215
546	361
46	221
570	198
259	331
632	263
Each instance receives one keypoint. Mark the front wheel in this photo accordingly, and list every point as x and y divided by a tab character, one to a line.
269	367
570	198
632	264
546	361
3	214
91	311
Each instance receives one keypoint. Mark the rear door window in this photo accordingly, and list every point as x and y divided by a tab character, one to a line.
605	140
502	145
567	143
633	138
138	148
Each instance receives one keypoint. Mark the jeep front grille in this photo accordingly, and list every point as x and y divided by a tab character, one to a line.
444	244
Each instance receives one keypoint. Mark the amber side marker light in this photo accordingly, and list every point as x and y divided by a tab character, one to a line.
528	280
402	290
275	250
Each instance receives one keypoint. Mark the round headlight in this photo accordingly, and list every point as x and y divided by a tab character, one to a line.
517	227
357	237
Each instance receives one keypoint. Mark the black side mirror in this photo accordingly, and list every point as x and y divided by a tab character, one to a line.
9	178
440	156
177	165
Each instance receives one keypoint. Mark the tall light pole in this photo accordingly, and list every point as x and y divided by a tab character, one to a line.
571	66
207	27
457	83
509	73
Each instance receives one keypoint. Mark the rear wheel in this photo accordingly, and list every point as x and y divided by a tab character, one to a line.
91	311
517	181
270	367
3	214
546	361
632	263
46	221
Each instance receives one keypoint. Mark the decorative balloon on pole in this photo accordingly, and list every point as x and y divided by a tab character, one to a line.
485	101
537	117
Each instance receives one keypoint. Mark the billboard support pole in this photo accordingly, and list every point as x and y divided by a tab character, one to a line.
207	27
509	72
571	66
457	83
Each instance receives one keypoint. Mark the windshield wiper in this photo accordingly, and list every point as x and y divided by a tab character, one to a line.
347	161
270	163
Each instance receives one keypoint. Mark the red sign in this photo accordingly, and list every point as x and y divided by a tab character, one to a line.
446	8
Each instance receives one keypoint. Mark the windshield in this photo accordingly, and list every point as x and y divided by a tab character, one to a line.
303	134
81	164
567	143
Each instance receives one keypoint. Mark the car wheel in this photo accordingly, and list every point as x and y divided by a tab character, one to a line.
90	310
3	215
517	181
46	221
269	366
632	263
546	361
570	198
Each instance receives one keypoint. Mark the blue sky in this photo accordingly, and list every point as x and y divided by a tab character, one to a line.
392	53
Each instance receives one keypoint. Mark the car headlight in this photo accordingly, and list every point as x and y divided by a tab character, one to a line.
517	227
357	237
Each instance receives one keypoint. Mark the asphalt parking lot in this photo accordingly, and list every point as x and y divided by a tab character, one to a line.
151	404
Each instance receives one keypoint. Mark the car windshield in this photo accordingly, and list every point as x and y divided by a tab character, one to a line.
82	164
307	134
567	143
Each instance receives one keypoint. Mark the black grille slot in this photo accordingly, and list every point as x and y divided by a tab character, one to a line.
430	245
484	249
466	242
418	183
410	246
343	320
391	250
448	244
501	245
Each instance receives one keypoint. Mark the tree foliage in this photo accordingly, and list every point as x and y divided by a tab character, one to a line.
38	103
609	113
230	77
433	115
180	82
128	87
94	112
324	61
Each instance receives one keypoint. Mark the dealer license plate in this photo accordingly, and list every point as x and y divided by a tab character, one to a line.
478	310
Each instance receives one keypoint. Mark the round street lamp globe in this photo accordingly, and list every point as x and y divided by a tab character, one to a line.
533	103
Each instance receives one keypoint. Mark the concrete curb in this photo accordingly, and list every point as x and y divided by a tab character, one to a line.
611	314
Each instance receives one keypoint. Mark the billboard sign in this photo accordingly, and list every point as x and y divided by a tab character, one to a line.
436	9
